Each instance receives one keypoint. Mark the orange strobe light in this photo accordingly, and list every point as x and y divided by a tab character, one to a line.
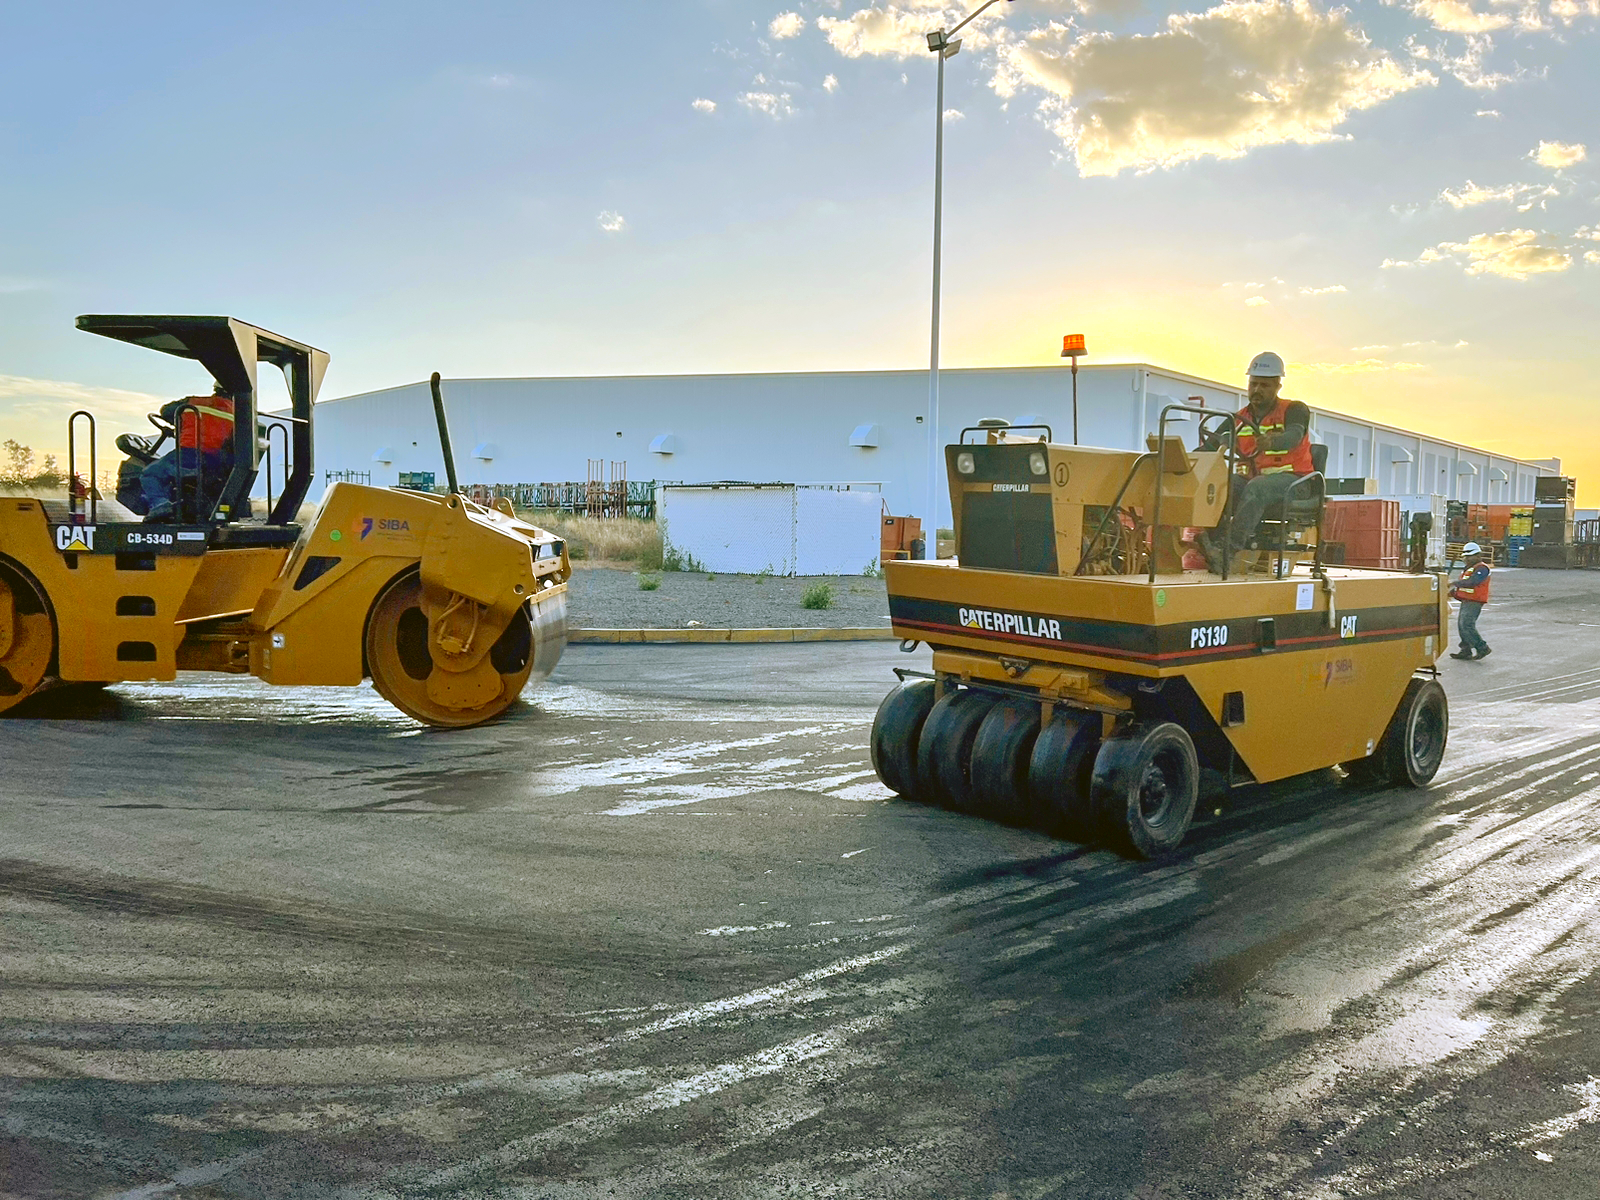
1072	345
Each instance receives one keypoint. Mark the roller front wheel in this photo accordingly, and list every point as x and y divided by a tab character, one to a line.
406	675
1144	788
1059	774
1000	757
944	753
896	731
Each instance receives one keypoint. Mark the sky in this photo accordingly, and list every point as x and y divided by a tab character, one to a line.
1403	199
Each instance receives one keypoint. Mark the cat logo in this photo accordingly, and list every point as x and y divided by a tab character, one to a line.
78	538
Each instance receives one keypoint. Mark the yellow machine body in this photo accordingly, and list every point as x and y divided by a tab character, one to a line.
129	602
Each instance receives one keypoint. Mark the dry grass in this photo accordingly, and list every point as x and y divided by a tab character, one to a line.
617	540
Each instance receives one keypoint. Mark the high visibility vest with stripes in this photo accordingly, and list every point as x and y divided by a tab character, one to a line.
1269	462
216	424
1480	593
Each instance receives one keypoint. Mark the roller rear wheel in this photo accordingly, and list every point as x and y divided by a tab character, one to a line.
27	638
1000	755
1145	786
944	753
896	731
1059	774
405	674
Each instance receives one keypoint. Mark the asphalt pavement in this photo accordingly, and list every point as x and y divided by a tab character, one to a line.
659	933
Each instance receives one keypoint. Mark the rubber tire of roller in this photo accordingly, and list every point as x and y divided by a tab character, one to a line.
1001	754
1127	771
896	731
1396	761
944	752
1413	746
1059	774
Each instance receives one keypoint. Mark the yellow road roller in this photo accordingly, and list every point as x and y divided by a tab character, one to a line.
1084	677
448	606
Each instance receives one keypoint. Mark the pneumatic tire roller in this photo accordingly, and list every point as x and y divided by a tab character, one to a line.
1089	701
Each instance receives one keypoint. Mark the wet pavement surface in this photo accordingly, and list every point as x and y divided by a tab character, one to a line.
659	933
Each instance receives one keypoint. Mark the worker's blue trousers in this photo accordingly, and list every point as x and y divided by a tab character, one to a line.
1467	623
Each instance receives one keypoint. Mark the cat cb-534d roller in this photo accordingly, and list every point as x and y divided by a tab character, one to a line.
449	607
1083	678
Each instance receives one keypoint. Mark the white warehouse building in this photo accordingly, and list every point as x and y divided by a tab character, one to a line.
834	427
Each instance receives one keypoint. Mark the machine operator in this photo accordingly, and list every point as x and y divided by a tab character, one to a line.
1273	442
148	484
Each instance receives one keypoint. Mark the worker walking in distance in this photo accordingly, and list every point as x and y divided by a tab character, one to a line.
1472	590
1272	437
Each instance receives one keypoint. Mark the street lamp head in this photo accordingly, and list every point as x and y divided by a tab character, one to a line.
936	41
952	48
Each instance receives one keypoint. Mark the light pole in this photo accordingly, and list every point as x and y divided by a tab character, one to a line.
945	45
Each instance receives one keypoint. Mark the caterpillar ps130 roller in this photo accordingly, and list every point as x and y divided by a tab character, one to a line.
448	606
1083	678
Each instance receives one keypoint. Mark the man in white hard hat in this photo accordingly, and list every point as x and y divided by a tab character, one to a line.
1472	590
1272	437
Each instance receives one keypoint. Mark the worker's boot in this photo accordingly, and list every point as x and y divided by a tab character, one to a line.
1463	654
1485	652
1215	554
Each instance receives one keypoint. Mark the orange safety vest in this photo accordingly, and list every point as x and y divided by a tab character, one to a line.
216	424
1266	462
1480	593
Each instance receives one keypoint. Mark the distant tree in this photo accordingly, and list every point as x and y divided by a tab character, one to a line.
19	462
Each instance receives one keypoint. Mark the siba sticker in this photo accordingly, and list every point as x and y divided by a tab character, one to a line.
1003	622
75	537
1332	671
383	526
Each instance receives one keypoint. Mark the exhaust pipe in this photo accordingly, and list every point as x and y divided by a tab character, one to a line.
444	436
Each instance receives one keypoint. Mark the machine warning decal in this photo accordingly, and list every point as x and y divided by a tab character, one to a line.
75	537
1001	622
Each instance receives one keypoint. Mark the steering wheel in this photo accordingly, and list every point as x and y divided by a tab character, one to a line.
163	427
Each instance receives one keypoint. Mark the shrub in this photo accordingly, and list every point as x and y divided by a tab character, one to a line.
603	539
649	583
818	595
674	559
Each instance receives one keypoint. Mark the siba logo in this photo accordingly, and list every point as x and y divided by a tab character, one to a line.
392	526
75	537
1000	622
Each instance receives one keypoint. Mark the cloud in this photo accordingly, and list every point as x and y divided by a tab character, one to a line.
774	105
1591	256
1511	254
1457	16
1256	301
50	397
831	84
786	25
1323	291
612	222
1364	366
1523	195
1469	65
1219	83
704	105
1569	11
1556	155
900	30
1487	112
954	114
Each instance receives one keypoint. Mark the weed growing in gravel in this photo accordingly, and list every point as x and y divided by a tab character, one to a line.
674	559
764	574
818	595
873	570
649	583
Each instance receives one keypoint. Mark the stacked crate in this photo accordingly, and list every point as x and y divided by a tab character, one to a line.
1554	508
1367	527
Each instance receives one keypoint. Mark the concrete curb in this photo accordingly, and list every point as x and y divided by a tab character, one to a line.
614	637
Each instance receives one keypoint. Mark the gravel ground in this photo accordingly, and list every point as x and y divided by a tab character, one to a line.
609	598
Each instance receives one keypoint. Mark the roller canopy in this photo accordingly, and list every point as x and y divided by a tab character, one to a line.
230	350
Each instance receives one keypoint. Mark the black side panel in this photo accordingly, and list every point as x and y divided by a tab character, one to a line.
1008	531
1176	701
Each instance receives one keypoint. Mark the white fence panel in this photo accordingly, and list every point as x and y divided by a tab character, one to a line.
837	532
781	528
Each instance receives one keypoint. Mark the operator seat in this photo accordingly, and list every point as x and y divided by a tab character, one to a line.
1280	527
